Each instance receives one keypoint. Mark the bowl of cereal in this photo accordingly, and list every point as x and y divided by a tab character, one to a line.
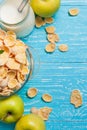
16	63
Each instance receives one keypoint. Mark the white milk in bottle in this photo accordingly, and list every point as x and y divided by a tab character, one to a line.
22	23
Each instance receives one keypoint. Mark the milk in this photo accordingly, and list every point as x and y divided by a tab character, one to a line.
21	23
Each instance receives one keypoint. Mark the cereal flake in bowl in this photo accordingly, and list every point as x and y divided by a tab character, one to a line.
16	63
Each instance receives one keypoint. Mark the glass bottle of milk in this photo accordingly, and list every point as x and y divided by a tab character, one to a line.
11	19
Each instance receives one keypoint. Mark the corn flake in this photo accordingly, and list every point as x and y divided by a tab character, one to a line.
4	58
18	86
11	33
50	47
39	21
11	74
50	29
12	64
63	47
76	98
53	38
47	97
20	77
20	43
24	69
44	112
9	41
73	11
49	20
12	83
5	93
18	49
32	92
4	82
3	72
34	110
21	58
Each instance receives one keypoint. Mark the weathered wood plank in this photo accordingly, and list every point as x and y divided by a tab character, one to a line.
74	2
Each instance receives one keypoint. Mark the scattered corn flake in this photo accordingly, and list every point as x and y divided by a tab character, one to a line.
32	92
11	33
49	20
44	112
53	38
47	97
9	41
73	11
48	109
63	47
76	98
34	110
50	29
12	83
12	64
39	21
50	47
21	58
2	34
43	115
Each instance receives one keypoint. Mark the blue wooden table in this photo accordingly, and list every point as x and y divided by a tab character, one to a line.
59	72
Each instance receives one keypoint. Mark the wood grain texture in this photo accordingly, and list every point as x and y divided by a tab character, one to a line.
59	72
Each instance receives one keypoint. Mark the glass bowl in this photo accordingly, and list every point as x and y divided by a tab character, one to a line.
33	66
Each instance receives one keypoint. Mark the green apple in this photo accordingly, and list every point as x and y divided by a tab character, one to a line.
30	122
45	8
11	109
